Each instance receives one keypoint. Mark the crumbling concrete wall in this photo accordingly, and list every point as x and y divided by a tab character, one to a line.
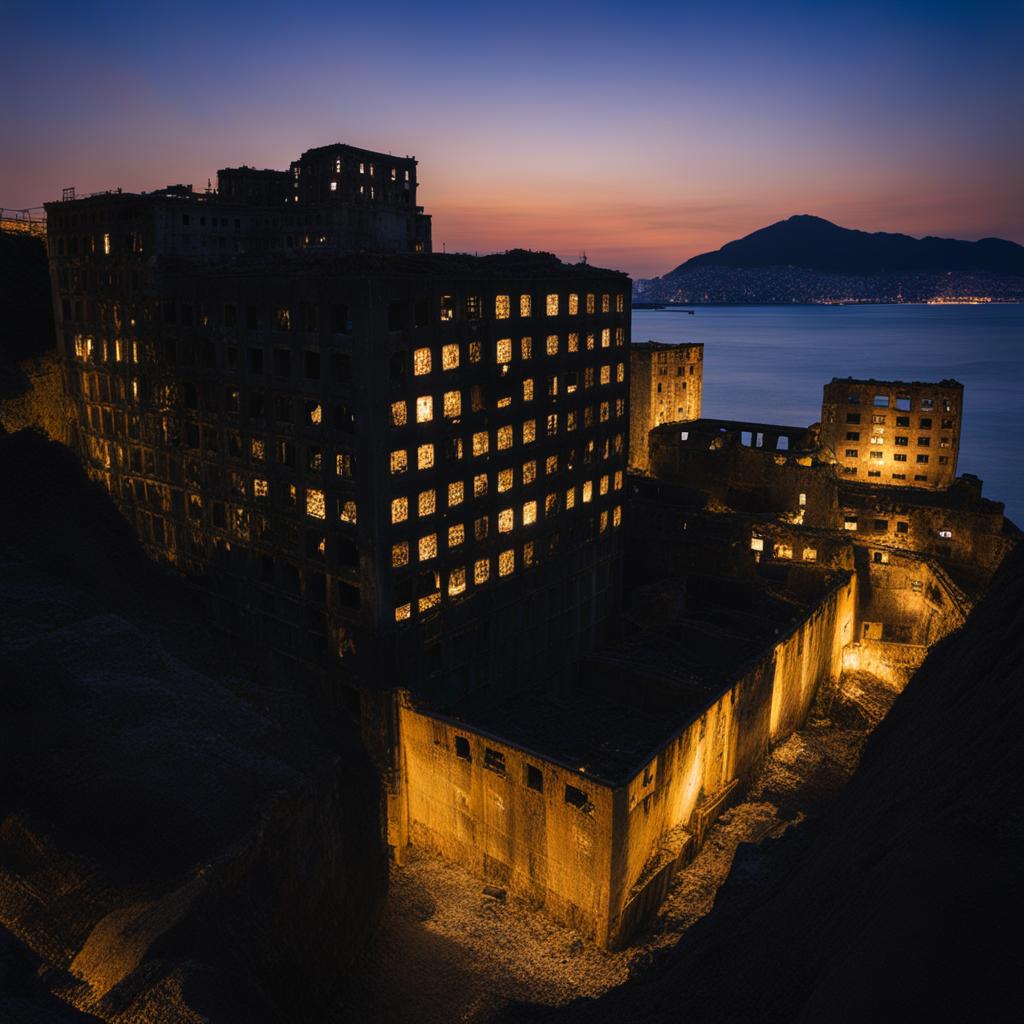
33	396
532	843
662	812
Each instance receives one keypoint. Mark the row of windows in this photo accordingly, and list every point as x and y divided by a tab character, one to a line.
901	441
902	403
924	422
481	570
451	408
853	453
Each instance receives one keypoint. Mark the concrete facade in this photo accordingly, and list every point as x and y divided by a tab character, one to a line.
892	433
666	385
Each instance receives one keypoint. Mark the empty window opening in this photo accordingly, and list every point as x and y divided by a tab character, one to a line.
462	748
578	799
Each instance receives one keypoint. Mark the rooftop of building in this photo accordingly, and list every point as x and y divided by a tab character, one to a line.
661	346
516	264
707	431
964	494
899	383
685	645
334	148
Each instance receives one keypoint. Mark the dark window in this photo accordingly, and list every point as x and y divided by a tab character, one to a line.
853	435
341	367
903	527
344	418
853	417
926	423
170	311
252	320
422	313
494	760
881	526
534	778
230	316
902	421
307	316
313	365
578	798
397	366
256	360
348	595
339	319
186	315
282	362
398	316
462	748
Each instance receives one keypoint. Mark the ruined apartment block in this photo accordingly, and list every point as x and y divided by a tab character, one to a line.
666	382
893	433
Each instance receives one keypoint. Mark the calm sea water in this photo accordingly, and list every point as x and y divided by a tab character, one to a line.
768	364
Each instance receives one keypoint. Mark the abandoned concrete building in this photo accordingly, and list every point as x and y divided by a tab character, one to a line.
892	433
665	386
405	473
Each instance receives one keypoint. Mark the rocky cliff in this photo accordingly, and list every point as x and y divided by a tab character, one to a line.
904	901
177	842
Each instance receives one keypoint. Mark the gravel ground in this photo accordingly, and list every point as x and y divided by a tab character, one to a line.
448	953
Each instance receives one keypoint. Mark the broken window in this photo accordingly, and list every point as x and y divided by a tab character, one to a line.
494	760
447	308
850	523
347	511
462	748
577	798
479	485
534	778
457	581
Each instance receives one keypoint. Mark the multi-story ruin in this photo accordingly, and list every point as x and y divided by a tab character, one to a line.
404	474
665	386
893	433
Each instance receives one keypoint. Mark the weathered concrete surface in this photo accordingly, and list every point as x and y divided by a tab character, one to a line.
176	844
904	902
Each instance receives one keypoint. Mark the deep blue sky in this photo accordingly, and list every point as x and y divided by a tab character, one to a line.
641	133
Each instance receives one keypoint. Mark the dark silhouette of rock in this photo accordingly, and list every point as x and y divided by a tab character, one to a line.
904	901
809	259
177	843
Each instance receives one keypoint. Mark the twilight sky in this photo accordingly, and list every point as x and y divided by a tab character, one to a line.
640	133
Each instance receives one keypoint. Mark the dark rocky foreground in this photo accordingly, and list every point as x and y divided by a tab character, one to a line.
178	842
903	901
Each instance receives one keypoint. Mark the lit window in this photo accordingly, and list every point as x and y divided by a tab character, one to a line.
504	402
550	504
428	547
400	554
481	570
590	342
603	521
552	424
343	464
447	308
529	513
603	488
347	512
588	491
502	307
529	431
427	503
506	520
605	304
456	492
606	337
620	303
334	186
456	535
528	557
528	390
757	544
421	361
574	341
605	412
425	456
507	562
449	357
259	451
403	612
316	504
260	488
574	304
457	581
106	245
424	409
504	480
552	345
606	374
431	600
475	352
504	437
479	485
399	461
618	480
570	498
399	510
552	305
590	302
620	372
480	442
529	472
525	305
480	528
616	515
810	554
504	350
452	403
526	348
398	414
